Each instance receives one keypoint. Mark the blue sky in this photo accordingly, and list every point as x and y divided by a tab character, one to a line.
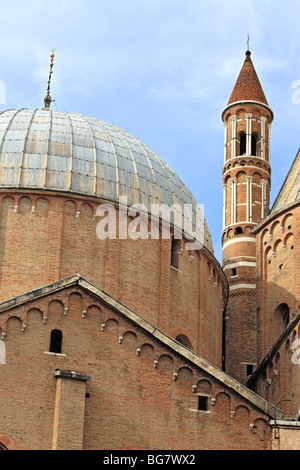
162	70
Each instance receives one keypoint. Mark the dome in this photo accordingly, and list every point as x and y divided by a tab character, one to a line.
70	153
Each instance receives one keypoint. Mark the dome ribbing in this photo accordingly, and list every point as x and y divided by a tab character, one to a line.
68	152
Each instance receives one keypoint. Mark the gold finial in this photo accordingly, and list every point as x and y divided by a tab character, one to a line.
48	99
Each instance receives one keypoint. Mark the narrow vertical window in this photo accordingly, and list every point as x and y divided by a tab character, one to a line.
243	141
176	245
56	341
253	145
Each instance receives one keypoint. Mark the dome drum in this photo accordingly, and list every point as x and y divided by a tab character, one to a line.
71	153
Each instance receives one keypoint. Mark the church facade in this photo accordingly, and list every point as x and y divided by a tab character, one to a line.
117	342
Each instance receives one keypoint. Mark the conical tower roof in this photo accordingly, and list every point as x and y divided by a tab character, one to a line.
248	87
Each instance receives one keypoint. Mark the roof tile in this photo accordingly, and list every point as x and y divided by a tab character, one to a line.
248	87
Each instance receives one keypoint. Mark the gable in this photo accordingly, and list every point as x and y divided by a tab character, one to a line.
62	298
144	389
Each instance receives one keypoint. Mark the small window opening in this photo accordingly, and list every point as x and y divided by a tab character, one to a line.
281	319
233	272
286	319
202	403
56	342
176	246
250	369
243	144
238	231
184	340
253	145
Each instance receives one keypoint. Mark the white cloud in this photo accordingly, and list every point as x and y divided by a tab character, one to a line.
179	58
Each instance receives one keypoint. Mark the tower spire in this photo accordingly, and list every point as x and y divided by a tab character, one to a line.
248	43
48	99
248	86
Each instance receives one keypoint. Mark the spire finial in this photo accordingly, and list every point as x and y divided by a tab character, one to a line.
248	43
248	53
48	99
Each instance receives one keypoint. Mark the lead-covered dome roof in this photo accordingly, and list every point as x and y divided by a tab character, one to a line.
67	152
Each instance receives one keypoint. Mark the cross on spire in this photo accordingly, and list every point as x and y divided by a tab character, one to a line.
248	43
48	99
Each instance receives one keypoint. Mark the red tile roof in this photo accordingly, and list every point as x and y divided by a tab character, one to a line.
248	87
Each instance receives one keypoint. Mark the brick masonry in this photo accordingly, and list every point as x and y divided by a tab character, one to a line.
110	364
62	234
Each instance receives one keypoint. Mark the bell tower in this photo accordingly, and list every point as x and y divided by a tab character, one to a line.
246	184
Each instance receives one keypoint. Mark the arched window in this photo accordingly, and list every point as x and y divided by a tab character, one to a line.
56	341
253	145
243	143
184	340
238	231
286	317
281	319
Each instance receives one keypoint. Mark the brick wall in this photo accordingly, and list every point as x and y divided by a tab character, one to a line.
278	288
140	393
47	238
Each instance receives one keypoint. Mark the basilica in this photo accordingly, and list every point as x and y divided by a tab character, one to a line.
110	340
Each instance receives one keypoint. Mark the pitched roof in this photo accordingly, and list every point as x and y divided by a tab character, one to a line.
248	87
290	191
